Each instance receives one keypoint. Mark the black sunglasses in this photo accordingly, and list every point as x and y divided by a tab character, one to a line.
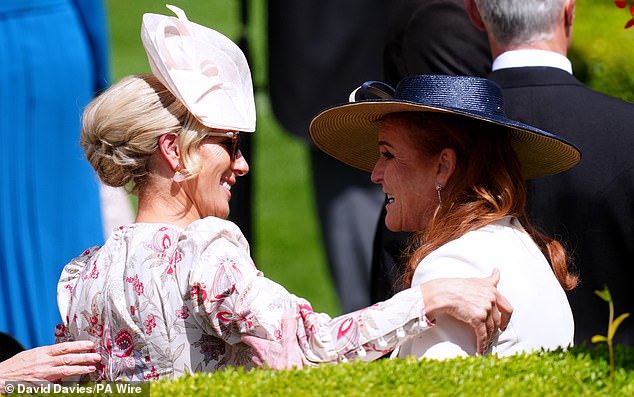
232	143
233	146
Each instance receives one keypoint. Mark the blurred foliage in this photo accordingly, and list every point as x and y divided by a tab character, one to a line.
602	51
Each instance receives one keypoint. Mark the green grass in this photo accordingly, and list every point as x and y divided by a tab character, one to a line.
289	249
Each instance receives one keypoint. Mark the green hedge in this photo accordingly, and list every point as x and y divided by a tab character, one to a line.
581	371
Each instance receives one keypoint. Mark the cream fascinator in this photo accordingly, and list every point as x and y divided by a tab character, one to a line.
205	70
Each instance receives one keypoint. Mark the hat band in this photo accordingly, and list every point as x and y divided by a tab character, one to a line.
461	93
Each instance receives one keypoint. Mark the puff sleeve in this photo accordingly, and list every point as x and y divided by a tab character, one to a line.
229	296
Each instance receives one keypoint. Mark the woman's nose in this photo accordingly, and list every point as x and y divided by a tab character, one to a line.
240	165
377	173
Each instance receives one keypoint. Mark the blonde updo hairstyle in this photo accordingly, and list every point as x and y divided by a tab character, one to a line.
122	126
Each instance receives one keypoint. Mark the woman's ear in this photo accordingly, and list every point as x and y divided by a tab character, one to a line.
446	166
168	145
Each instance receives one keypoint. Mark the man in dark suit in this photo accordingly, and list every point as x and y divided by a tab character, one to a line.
430	36
319	51
591	207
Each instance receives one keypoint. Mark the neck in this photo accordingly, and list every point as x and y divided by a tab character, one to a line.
167	203
557	46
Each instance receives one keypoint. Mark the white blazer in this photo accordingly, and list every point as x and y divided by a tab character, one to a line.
541	314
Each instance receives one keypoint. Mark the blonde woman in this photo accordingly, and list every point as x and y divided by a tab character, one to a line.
176	291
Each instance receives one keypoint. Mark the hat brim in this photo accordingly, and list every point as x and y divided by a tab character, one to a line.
349	133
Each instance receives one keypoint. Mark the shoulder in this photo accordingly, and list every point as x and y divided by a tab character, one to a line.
478	241
214	240
211	229
477	253
534	77
77	264
614	103
213	225
550	78
119	243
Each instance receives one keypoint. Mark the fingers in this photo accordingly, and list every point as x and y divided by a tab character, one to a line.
53	362
481	337
257	361
67	359
505	308
289	342
495	276
79	359
253	341
496	316
289	325
69	347
73	370
70	364
258	357
490	324
475	301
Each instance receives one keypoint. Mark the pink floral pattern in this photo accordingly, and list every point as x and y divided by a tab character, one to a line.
93	273
136	284
149	324
183	312
167	286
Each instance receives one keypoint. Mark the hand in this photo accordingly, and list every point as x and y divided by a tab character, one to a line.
475	301
50	363
277	354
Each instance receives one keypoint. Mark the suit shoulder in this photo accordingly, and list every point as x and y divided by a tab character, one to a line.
613	101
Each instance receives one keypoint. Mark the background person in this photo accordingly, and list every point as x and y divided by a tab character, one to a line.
176	291
317	49
54	59
453	167
590	207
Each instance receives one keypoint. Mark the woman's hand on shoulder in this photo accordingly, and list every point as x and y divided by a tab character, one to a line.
284	353
475	301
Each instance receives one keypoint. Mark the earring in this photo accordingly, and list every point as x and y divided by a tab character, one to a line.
180	174
438	190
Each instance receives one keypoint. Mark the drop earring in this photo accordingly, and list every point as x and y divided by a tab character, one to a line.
438	190
180	174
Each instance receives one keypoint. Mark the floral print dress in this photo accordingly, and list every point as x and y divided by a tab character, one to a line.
160	301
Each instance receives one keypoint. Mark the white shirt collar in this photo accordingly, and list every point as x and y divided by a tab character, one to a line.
523	58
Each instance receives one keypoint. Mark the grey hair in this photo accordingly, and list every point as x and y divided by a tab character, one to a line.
122	126
515	22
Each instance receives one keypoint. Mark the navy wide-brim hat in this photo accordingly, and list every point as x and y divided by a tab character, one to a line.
349	132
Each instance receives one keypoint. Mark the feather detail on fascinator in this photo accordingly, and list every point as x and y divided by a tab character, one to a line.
205	70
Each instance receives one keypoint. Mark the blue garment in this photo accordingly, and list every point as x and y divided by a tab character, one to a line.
53	58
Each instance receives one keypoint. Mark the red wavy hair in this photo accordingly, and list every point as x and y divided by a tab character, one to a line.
487	185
